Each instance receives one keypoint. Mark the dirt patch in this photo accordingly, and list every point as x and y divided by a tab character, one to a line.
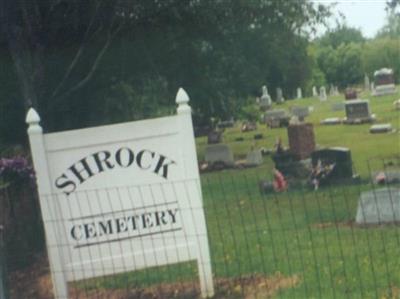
333	224
35	283
32	282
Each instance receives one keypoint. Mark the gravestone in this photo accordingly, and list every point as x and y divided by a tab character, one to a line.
226	124
265	100
357	111
249	126
254	158
214	137
340	157
381	128
384	82
299	93
314	91
279	96
337	106
300	112
332	90
219	154
322	94
336	91
396	104
301	140
350	94
366	82
331	121
258	136
379	206
201	131
276	118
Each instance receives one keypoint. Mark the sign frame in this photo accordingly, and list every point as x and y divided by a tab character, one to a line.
54	151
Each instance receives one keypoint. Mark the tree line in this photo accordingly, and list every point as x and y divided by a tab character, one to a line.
89	62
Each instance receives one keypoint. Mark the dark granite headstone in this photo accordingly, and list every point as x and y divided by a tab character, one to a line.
350	94
340	157
214	137
357	111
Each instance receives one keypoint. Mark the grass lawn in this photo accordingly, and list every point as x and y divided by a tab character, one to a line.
301	232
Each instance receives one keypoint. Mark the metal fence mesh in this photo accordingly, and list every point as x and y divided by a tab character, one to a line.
296	244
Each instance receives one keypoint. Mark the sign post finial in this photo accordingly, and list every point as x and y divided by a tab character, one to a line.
33	120
182	99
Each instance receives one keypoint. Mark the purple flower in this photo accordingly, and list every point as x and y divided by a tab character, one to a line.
16	169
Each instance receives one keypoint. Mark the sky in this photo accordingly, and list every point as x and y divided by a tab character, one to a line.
367	15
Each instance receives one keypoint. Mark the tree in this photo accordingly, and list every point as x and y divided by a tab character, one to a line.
392	27
342	34
380	53
90	62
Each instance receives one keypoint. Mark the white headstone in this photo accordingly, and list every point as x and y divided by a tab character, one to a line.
379	206
299	93
381	128
314	91
121	198
219	153
366	82
336	91
254	158
300	112
265	100
332	90
331	121
322	93
396	104
279	95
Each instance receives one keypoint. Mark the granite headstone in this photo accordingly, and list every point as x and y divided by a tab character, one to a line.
379	206
219	153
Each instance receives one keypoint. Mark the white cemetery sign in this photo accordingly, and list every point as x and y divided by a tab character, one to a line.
120	198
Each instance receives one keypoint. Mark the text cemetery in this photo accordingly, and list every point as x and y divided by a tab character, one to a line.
126	226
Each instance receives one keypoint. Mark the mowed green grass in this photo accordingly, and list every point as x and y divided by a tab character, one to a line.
300	232
364	146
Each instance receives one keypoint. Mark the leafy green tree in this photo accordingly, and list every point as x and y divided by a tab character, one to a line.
392	27
342	34
380	53
91	62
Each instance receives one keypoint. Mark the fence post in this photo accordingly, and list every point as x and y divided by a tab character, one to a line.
2	266
47	204
192	170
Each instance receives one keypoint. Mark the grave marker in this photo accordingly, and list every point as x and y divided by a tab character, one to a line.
384	82
322	94
279	96
379	206
299	93
301	140
254	158
300	112
357	111
214	137
219	153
